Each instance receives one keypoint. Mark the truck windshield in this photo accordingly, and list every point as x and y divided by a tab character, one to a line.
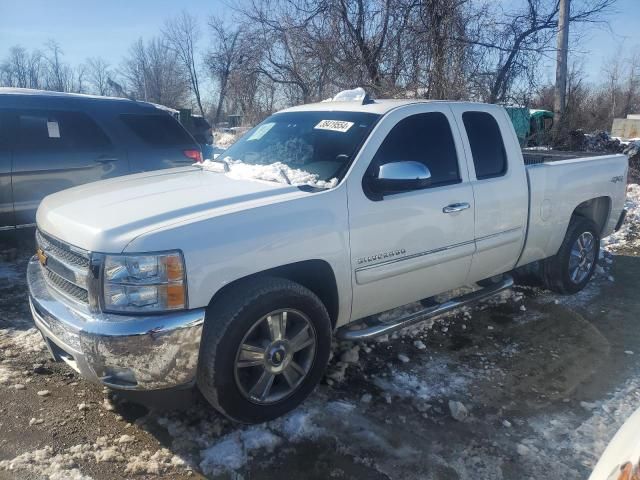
298	148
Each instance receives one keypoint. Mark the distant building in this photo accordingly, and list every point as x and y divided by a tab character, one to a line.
626	128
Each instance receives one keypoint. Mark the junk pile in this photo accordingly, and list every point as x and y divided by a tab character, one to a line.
593	142
579	141
633	152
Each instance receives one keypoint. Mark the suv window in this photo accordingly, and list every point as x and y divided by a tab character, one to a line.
58	130
424	138
485	140
5	130
159	130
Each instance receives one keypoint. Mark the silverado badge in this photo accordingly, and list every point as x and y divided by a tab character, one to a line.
42	257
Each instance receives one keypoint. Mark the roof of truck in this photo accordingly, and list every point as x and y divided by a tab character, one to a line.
378	106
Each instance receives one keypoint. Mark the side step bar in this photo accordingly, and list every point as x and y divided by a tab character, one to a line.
369	328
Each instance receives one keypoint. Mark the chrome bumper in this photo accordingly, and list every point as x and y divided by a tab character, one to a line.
126	352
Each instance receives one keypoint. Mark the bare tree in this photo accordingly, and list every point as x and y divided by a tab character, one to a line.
225	57
21	68
98	74
59	75
516	39
182	34
365	26
152	72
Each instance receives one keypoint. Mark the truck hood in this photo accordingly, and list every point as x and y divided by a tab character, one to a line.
105	216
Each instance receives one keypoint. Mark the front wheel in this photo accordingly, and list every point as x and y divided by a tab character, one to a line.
572	267
265	346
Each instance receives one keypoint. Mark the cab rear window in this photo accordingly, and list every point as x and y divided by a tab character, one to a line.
158	130
485	140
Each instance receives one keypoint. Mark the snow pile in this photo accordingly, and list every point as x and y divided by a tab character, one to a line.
232	452
425	381
299	425
274	172
8	376
624	237
14	343
225	139
158	463
45	463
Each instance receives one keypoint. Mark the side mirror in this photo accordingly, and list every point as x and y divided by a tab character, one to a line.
401	177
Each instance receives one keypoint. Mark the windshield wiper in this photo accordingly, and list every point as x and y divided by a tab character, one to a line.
284	175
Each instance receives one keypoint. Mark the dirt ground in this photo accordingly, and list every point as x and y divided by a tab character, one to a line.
532	385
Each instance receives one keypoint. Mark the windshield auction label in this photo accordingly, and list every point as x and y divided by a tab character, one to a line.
334	125
261	131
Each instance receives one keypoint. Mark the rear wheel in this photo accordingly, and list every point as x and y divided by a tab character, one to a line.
572	267
265	346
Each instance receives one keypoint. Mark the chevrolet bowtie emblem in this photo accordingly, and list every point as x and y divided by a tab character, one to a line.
42	257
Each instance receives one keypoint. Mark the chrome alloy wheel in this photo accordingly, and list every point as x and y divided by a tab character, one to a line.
275	356
583	255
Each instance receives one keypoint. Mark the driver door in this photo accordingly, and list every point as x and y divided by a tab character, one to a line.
410	245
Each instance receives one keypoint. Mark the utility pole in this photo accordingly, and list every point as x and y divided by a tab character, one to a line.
561	65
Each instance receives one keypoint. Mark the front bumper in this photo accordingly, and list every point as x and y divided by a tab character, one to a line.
126	352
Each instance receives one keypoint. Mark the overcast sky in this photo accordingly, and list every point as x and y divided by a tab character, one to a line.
86	28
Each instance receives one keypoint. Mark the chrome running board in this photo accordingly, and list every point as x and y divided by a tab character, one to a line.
369	328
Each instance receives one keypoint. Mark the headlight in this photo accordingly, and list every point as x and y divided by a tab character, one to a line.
144	283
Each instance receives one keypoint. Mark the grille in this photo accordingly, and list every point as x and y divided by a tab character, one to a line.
59	250
66	270
66	287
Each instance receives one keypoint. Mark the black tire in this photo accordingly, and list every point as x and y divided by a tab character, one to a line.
228	320
556	271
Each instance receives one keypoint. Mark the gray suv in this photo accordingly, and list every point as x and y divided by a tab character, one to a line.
53	141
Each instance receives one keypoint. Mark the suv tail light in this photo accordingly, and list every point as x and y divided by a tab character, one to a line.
195	155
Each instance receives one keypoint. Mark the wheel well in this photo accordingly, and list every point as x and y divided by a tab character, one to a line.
316	275
596	209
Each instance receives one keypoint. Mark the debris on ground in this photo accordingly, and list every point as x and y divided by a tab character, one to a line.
458	411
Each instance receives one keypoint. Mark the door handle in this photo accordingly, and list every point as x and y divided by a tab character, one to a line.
456	207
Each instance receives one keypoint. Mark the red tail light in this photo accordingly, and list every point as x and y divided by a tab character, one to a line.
195	155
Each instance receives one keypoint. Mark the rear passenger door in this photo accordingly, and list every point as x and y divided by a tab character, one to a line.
499	188
7	220
55	150
157	141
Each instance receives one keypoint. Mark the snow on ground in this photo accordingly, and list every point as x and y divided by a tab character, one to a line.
623	237
232	451
274	172
593	431
14	342
424	381
225	139
106	449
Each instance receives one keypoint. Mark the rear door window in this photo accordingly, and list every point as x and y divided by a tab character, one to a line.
158	130
424	138
6	129
56	131
487	148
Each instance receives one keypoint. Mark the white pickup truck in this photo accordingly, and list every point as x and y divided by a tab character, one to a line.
235	274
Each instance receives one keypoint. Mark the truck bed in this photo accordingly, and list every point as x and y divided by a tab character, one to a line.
535	157
560	182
